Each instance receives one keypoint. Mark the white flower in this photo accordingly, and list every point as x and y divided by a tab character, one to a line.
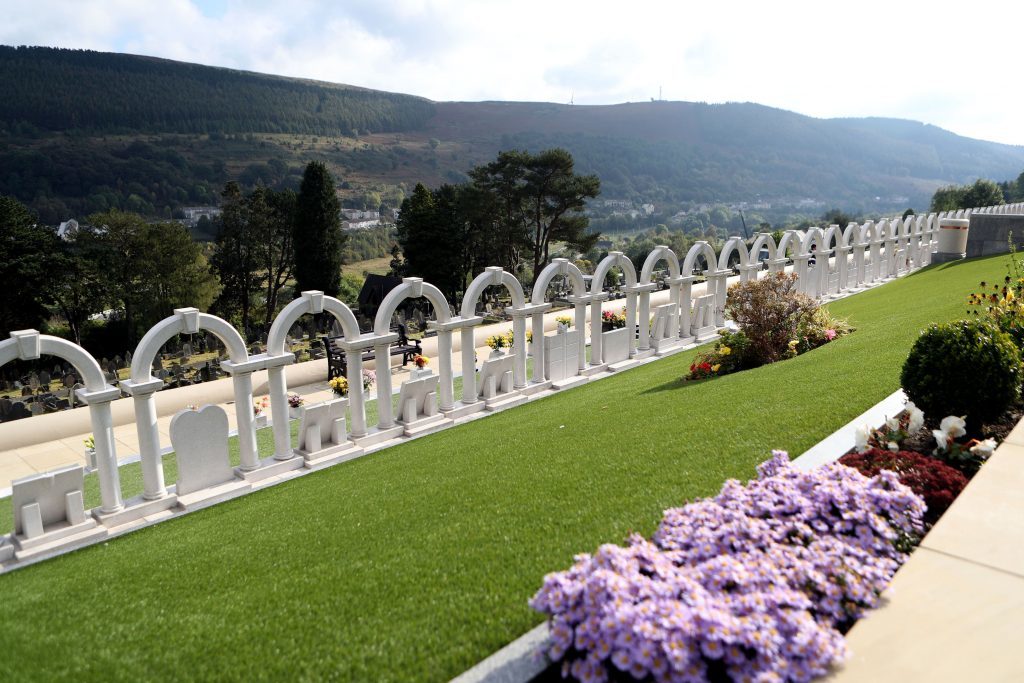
893	446
953	426
893	423
984	448
941	439
916	418
861	438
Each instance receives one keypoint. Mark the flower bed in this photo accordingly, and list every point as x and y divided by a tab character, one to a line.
759	582
775	322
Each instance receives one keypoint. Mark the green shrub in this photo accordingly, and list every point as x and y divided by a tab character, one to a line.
967	368
770	312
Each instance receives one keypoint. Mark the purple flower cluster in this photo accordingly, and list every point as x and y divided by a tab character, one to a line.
756	584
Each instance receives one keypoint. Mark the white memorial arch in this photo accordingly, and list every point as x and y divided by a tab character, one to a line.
579	298
598	352
97	394
313	302
142	386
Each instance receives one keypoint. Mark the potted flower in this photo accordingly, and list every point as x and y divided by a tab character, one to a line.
421	369
259	408
369	379
498	343
564	323
90	453
339	385
295	406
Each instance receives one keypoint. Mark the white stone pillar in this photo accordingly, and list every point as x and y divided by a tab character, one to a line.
446	387
843	268
469	391
150	460
386	418
685	305
717	284
596	326
644	321
538	347
279	405
631	318
106	453
356	399
800	266
241	377
672	327
520	346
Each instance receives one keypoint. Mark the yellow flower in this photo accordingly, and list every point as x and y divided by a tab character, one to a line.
715	367
793	343
724	350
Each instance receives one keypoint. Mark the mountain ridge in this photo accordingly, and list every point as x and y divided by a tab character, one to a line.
89	102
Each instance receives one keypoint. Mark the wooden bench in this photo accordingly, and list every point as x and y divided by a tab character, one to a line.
337	366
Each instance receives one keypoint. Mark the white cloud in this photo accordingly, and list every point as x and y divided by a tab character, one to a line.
872	58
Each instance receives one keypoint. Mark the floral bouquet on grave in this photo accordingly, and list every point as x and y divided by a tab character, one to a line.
295	401
339	385
420	361
498	341
260	405
615	320
564	320
90	443
369	379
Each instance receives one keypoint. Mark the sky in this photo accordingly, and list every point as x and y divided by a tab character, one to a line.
953	66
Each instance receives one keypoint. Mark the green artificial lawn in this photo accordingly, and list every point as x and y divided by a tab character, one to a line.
416	562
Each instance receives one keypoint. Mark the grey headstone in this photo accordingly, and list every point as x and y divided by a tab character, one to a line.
200	441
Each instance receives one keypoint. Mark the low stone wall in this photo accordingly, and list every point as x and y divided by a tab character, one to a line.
990	233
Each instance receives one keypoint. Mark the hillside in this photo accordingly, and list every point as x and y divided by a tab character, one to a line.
85	131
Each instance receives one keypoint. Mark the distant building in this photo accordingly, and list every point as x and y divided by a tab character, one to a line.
359	215
618	204
360	224
192	214
67	229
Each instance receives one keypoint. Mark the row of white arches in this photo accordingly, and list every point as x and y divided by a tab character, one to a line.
826	261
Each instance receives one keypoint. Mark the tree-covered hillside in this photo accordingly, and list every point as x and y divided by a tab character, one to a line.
58	90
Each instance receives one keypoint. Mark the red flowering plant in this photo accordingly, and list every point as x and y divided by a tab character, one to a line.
730	354
936	482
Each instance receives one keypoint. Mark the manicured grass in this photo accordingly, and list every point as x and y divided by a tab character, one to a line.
416	562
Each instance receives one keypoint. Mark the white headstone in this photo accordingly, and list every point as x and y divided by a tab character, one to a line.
322	425
561	355
420	394
49	492
200	441
615	346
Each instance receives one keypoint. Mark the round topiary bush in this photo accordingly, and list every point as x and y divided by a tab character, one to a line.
966	368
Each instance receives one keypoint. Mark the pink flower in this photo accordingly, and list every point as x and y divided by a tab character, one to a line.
830	334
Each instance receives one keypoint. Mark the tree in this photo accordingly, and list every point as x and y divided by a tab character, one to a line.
279	256
982	192
26	267
535	200
82	288
836	217
555	199
432	235
150	269
317	235
238	257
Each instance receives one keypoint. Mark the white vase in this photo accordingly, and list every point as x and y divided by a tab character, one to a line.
497	353
90	459
294	412
260	421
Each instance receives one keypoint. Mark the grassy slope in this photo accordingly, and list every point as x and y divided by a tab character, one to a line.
416	562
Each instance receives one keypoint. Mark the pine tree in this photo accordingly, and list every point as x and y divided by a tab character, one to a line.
318	238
